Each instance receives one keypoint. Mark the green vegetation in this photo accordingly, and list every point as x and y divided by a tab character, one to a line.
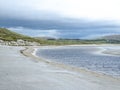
8	35
71	42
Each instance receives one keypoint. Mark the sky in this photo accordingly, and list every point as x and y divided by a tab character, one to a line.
61	18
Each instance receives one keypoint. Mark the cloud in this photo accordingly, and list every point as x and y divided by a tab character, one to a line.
26	10
36	32
61	18
48	33
86	33
47	9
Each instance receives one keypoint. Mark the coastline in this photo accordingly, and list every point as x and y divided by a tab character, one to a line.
31	52
28	72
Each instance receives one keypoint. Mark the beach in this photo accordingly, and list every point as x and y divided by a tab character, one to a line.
20	69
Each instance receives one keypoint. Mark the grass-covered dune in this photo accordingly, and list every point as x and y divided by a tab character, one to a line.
8	35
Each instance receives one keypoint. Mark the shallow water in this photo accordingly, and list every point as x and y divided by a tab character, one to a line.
85	57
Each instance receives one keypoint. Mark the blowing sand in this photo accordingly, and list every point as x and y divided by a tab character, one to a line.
27	72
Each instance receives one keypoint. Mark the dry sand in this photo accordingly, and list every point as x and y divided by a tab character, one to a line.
19	72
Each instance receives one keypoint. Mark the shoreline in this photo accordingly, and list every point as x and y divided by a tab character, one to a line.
30	52
27	72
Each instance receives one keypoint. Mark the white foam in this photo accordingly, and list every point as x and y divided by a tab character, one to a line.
34	52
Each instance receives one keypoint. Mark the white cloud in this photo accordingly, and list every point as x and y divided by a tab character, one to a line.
88	9
48	33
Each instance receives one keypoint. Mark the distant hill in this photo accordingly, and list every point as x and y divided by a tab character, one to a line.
112	38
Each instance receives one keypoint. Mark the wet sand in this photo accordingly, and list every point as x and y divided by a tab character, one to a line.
27	72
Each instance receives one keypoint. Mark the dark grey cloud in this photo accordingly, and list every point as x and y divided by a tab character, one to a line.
64	28
64	23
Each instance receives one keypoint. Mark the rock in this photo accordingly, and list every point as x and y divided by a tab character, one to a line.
1	41
19	42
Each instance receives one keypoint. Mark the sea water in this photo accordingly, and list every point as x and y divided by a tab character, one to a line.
86	57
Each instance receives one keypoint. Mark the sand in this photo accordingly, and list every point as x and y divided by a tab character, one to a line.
27	72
